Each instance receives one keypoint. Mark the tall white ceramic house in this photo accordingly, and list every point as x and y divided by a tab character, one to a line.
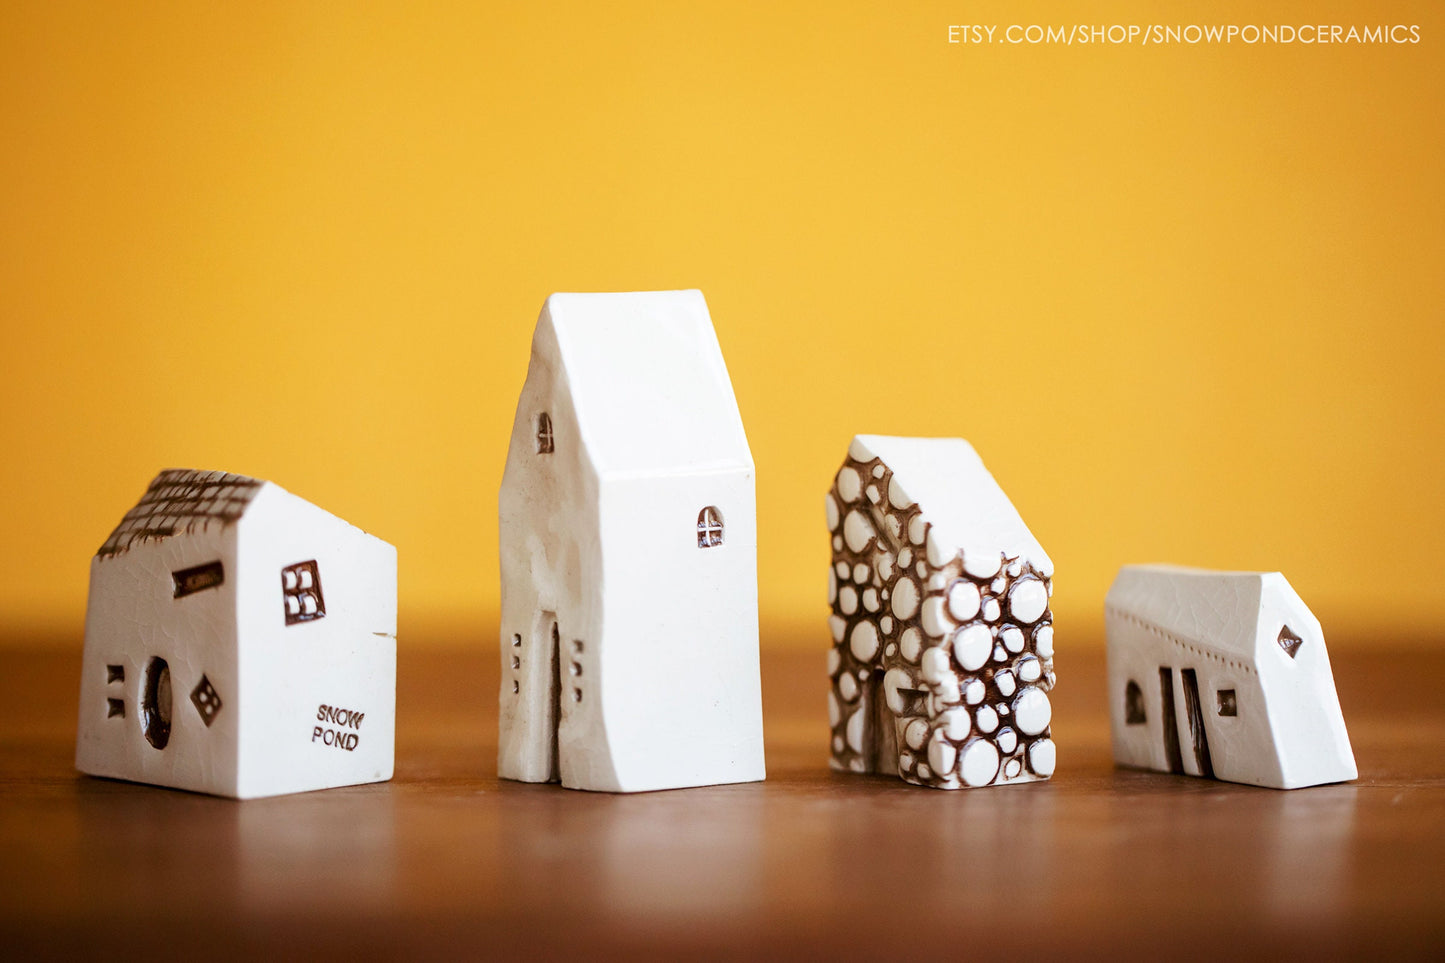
1223	675
629	554
239	641
943	640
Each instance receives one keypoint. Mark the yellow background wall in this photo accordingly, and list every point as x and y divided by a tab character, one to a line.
1185	301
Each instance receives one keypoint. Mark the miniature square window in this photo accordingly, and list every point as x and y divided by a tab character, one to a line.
301	591
545	442
1289	642
709	527
1228	705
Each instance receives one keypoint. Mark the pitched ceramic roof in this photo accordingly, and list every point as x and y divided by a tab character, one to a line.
1213	610
180	501
648	382
967	509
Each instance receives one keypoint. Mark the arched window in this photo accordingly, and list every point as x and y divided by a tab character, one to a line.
709	527
544	434
1134	704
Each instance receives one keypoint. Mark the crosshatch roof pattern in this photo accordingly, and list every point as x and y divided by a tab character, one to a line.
180	501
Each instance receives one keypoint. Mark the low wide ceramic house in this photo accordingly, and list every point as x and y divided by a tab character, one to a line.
1223	675
239	641
629	554
943	640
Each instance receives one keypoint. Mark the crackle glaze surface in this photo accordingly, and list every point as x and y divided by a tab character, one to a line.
942	655
239	641
1222	675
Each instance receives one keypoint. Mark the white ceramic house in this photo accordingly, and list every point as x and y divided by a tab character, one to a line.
1223	675
239	641
943	641
629	554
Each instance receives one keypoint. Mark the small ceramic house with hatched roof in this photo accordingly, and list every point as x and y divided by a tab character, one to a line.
239	641
1223	675
943	642
629	554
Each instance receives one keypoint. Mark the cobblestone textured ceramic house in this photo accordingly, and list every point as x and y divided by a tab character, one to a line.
1223	675
239	641
629	554
942	636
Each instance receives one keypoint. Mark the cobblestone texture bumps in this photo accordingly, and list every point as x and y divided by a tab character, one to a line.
960	650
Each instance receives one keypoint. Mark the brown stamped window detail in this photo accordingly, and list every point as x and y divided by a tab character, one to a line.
206	700
189	581
545	442
709	527
1228	704
301	588
1289	642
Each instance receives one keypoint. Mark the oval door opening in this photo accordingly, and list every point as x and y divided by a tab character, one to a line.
155	714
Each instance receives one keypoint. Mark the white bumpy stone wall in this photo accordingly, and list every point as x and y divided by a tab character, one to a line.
964	647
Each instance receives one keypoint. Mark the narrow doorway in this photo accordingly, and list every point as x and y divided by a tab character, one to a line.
554	703
1170	721
880	740
155	707
1196	723
541	707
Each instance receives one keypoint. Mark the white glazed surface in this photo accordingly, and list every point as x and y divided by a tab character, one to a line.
272	678
658	638
1288	730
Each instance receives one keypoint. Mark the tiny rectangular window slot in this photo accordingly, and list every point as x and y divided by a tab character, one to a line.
114	707
114	673
189	581
1228	704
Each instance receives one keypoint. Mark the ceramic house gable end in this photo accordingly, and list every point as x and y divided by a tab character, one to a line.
550	483
966	510
180	504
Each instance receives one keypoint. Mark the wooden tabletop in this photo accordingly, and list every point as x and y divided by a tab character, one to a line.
447	860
